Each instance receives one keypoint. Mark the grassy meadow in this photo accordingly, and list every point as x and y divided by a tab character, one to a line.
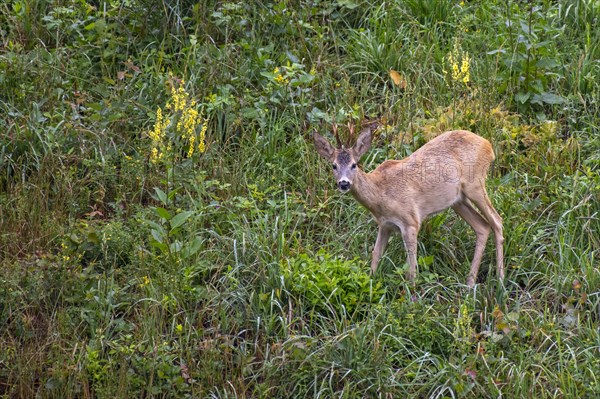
167	229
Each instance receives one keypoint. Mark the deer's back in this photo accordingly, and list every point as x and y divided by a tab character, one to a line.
452	157
456	146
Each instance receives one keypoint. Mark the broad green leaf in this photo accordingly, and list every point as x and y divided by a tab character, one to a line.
156	235
547	63
172	193
550	98
522	97
306	78
163	213
192	247
155	226
162	197
425	261
93	237
268	75
180	219
349	4
163	247
176	246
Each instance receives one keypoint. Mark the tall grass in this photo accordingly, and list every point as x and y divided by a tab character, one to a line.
240	271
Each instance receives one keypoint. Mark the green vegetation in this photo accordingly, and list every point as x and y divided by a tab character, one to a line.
203	251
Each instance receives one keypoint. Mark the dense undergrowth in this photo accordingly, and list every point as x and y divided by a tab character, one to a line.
167	229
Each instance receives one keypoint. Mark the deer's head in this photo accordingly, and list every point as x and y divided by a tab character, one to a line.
344	161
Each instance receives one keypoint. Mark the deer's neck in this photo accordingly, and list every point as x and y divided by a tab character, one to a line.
365	190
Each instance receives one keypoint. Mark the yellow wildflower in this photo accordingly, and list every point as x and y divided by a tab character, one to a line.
191	149
157	135
201	145
211	98
279	78
459	63
185	118
455	72
464	68
155	156
179	98
145	281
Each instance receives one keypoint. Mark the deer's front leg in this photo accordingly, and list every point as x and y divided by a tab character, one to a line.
383	237
409	235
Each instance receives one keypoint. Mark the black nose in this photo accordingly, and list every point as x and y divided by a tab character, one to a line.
344	185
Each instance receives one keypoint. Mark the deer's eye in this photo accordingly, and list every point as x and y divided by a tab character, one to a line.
353	166
334	166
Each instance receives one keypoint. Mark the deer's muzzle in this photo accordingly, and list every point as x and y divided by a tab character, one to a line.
344	185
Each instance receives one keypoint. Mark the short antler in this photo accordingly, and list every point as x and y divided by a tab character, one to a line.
351	126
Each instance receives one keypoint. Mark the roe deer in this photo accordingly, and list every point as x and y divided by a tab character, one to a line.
447	172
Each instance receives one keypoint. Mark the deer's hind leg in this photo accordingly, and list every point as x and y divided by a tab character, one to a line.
482	232
409	236
482	202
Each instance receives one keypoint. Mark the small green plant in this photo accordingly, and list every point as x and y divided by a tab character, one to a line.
169	235
325	281
413	327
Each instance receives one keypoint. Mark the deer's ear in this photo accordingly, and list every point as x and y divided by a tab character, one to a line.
363	142
323	147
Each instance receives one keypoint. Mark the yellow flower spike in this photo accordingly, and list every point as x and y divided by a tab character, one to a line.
202	136
455	72
466	61
191	149
154	155
186	120
459	63
179	128
165	125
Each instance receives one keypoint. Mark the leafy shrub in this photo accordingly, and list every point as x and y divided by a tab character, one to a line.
532	69
104	244
325	282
